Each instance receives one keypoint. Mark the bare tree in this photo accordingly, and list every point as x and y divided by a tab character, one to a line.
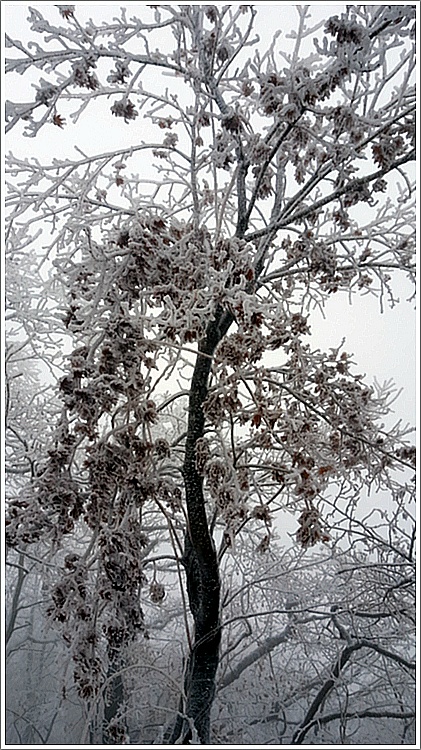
194	409
325	647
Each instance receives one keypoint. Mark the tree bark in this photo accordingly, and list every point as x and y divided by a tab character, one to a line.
200	558
114	726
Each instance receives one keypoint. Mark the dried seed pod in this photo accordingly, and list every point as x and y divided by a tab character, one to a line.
156	592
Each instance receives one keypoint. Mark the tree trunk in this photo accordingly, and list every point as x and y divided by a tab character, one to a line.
114	726
200	559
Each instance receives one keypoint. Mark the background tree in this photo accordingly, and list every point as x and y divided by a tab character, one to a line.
38	668
194	411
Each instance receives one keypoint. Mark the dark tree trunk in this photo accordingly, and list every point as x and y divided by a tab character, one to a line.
200	559
114	726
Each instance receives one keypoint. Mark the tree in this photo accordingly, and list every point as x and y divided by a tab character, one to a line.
194	409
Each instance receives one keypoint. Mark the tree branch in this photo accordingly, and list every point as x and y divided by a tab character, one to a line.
355	184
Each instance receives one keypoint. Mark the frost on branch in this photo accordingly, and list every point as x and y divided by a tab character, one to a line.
179	278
